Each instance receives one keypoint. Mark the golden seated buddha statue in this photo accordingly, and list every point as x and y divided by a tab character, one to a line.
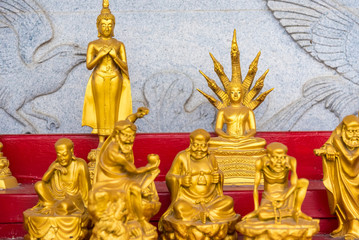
6	179
198	209
236	146
61	212
279	214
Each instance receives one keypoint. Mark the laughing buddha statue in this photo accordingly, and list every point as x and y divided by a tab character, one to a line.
198	208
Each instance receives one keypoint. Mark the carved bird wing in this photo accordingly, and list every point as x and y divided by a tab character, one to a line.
327	31
30	28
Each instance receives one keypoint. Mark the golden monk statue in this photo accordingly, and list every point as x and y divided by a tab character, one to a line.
341	176
108	93
279	213
6	179
236	146
116	175
61	212
198	209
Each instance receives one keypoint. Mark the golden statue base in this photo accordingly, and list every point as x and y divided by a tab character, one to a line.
110	210
74	226
238	166
8	182
174	229
254	229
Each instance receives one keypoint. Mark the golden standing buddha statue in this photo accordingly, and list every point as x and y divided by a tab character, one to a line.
108	93
198	209
61	212
236	146
6	179
119	184
341	176
279	214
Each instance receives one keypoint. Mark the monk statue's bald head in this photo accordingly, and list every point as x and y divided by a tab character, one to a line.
64	141
199	144
277	155
276	146
200	133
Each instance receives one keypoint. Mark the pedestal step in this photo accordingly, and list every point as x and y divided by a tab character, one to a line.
14	201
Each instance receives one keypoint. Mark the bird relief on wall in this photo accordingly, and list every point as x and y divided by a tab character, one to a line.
26	58
168	95
329	32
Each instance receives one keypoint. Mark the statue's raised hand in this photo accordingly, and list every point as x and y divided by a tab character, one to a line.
104	50
153	160
113	53
215	177
186	180
60	168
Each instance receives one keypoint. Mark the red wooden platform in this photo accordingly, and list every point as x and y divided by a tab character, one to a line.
30	156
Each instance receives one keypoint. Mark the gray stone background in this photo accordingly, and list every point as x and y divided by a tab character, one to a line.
310	47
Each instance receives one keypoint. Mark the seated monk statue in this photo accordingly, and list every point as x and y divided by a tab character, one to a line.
116	175
240	122
6	179
63	197
196	186
281	202
341	176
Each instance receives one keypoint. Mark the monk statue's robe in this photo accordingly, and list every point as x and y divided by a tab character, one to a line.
63	201
203	199
341	176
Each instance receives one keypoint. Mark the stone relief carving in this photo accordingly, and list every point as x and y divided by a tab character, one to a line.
329	32
29	67
167	95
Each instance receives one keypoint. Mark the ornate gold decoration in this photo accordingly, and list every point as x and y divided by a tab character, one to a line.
124	197
236	105
6	179
247	95
340	156
108	93
198	209
91	157
279	215
61	212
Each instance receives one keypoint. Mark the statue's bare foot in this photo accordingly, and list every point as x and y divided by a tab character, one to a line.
136	232
146	192
337	232
351	236
147	227
302	215
46	210
250	215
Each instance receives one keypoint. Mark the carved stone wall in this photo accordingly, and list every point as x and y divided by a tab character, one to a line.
309	46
